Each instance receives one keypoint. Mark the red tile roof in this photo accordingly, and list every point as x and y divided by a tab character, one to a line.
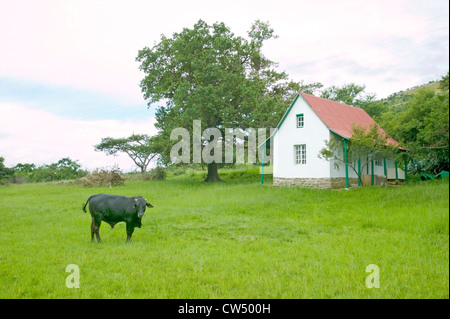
339	117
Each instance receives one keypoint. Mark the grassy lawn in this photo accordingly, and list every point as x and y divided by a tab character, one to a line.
236	239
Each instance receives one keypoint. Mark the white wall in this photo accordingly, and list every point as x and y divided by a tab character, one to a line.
313	134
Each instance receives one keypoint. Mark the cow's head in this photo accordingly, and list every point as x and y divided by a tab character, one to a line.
140	204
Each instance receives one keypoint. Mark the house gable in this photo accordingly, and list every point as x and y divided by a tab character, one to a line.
296	146
339	118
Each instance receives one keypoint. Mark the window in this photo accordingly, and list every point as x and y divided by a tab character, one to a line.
300	154
300	120
378	162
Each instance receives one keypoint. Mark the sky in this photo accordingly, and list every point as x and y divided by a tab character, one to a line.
68	75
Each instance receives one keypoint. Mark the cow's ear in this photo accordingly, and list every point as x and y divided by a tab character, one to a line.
149	205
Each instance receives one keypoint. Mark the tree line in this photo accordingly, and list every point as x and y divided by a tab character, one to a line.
64	169
420	124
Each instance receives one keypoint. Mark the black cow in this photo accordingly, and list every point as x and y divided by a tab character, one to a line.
114	209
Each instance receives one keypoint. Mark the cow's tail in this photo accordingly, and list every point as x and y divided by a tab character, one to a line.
84	207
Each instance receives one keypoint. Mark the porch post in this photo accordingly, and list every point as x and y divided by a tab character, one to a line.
406	167
346	165
396	170
359	171
373	173
367	164
262	165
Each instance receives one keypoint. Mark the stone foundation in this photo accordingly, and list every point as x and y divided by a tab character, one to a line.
323	183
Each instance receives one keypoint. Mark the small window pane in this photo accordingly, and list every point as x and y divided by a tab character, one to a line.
300	154
300	120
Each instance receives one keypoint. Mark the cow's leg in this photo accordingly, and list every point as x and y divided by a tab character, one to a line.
130	230
95	229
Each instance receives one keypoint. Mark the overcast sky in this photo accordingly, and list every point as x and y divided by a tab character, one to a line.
68	75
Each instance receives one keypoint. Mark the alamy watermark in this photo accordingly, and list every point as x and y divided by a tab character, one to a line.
73	280
209	146
373	280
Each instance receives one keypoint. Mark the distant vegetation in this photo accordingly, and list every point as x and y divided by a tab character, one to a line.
419	119
64	169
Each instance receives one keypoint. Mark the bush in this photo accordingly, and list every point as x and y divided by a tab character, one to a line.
64	169
5	172
156	174
103	178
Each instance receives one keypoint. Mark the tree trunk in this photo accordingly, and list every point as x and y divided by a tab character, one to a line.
213	173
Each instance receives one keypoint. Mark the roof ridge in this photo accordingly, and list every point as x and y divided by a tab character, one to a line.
331	101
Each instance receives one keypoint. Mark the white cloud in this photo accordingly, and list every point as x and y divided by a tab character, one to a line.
40	137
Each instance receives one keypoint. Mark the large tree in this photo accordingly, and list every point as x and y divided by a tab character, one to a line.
207	73
350	94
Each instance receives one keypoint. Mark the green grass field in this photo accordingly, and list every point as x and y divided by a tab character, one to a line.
236	239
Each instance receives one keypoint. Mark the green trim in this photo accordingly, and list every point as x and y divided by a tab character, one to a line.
344	137
359	171
385	168
303	120
346	164
287	112
367	164
406	167
373	173
281	121
396	170
262	167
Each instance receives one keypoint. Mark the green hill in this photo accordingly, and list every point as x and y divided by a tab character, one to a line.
397	101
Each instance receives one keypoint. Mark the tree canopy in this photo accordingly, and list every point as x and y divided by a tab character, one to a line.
350	94
138	147
423	128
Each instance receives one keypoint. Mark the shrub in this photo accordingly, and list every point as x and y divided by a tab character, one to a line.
103	178
64	169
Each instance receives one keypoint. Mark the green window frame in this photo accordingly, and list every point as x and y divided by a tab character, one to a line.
300	120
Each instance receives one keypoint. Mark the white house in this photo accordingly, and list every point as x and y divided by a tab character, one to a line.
301	134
